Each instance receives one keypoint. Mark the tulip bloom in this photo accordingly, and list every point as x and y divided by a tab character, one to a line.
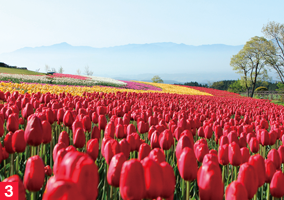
245	154
166	139
12	123
34	174
270	169
18	141
169	180
64	138
8	143
114	170
257	161
153	178
68	118
249	178
236	191
93	148
274	156
277	184
187	164
47	132
61	189
223	157
235	157
157	155
209	181
144	151
254	145
34	131
111	148
47	170
102	122
125	148
132	181
79	138
82	170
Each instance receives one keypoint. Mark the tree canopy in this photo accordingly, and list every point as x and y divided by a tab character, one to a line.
157	79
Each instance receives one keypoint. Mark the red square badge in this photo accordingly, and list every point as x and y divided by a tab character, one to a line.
9	191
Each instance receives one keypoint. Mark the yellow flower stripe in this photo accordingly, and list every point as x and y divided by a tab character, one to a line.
175	89
22	88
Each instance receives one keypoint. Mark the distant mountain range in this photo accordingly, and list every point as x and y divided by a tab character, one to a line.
175	63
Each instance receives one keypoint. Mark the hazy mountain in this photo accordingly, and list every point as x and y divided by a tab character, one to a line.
173	62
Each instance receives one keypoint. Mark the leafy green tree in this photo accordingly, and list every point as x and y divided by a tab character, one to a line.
275	57
250	63
280	87
61	70
157	79
236	87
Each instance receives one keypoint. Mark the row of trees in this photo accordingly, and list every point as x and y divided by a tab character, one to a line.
259	55
87	72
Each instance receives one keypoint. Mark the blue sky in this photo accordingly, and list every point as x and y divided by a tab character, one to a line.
104	23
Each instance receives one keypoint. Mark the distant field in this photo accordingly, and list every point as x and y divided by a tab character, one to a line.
18	71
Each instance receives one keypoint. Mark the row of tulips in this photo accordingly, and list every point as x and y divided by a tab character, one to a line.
141	146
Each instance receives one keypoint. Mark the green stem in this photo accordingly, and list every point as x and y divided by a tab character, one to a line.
17	163
33	195
223	173
12	164
267	191
182	188
187	190
50	154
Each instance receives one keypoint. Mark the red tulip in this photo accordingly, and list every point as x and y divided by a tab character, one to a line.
223	153
62	189
234	152
82	170
18	141
209	181
144	151
111	148
96	133
274	156
245	154
102	122
8	143
281	153
257	161
132	181
187	164
119	131
87	124
12	123
200	150
153	178
79	138
157	155
27	110
249	178
270	169
114	170
47	132
277	184
34	131
254	145
57	147
93	148
68	118
166	139
264	137
47	170
21	187
125	148
64	138
236	191
169	180
34	174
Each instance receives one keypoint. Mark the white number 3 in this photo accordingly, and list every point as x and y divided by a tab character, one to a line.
9	189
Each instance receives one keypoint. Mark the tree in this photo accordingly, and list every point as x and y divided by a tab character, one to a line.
275	58
157	79
53	69
88	72
251	61
78	72
236	87
61	70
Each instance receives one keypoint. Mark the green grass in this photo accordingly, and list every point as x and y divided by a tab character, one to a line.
18	71
278	102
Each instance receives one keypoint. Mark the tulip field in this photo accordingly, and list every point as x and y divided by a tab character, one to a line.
139	141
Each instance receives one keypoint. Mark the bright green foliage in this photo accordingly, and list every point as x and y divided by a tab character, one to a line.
280	86
250	62
275	59
157	79
236	87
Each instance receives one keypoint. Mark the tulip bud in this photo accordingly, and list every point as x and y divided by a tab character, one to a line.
111	148
79	138
274	156
47	132
114	170
34	174
8	143
68	118
236	191
93	148
166	139
270	169
157	155
234	152
248	177
102	122
223	153
64	138
18	141
169	180
144	151
34	131
12	123
254	145
209	181
257	161
277	184
187	164
153	178
245	154
132	172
